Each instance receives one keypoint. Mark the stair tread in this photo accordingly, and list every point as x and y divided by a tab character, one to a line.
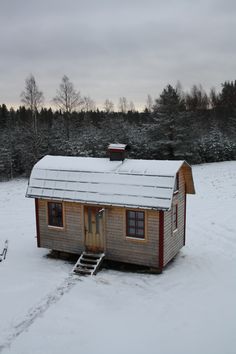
82	272
88	266
88	263
89	260
95	255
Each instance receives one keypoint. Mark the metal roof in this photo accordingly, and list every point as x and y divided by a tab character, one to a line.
144	184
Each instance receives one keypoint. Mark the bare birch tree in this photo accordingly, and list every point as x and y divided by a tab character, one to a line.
108	106
67	99
123	105
88	104
32	98
131	106
149	103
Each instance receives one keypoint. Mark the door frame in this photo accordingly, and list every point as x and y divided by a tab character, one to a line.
103	223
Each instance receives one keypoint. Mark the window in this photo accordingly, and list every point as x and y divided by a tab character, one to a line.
98	218
90	220
135	224
55	214
176	186
175	217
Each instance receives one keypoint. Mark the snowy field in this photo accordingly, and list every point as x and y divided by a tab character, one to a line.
189	308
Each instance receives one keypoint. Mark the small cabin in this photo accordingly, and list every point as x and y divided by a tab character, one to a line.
131	211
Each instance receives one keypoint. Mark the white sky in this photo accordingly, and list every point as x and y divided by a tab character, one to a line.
111	48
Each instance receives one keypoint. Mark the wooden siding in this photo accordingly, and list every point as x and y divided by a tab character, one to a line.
118	246
189	185
125	249
174	239
70	238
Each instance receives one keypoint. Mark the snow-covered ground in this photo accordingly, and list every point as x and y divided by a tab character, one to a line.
190	308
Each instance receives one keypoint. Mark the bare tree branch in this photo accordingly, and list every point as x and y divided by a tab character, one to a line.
67	99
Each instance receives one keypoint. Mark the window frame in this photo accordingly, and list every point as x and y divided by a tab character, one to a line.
175	217
136	219
60	227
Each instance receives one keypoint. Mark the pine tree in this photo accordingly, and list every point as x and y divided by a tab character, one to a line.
168	132
197	99
215	146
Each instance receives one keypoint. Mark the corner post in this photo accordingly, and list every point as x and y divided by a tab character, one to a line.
161	239
185	215
37	221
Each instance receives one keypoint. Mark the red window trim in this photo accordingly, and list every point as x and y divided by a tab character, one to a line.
136	235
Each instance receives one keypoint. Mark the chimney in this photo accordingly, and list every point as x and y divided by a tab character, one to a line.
117	152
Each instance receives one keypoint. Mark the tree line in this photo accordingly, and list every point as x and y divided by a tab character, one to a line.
193	126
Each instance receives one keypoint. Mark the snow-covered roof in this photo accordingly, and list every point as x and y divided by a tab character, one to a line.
133	183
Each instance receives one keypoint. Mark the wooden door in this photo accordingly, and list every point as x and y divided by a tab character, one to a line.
94	233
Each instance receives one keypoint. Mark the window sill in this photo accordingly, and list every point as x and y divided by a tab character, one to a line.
131	238
59	228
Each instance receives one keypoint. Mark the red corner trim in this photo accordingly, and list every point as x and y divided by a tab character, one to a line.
161	239
184	216
37	221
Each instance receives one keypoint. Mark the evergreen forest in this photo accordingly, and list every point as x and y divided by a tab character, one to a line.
193	126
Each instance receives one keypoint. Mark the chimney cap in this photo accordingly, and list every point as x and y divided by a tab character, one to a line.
119	147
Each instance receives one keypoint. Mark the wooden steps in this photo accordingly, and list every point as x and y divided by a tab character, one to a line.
88	263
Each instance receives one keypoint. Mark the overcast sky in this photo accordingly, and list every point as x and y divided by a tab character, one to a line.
111	48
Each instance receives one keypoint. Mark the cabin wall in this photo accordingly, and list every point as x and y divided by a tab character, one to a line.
174	240
118	247
124	249
68	239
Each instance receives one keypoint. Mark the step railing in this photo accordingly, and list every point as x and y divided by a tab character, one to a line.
4	252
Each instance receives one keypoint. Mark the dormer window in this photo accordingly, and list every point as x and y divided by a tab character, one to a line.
176	186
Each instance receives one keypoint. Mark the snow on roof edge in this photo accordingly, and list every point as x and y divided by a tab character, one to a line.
99	203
